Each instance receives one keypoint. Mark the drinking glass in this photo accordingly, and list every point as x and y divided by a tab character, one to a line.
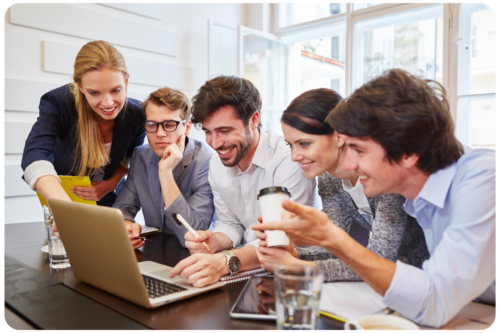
57	254
298	291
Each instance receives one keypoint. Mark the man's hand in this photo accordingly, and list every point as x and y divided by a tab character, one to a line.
308	227
201	269
172	155
263	237
195	245
134	232
270	258
95	192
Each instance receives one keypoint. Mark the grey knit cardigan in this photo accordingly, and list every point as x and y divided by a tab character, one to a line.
395	234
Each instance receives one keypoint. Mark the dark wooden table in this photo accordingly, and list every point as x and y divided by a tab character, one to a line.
207	311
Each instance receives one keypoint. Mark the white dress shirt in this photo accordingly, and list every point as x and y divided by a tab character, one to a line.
235	192
456	210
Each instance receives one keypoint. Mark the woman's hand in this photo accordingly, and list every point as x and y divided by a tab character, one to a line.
263	238
95	192
309	226
270	258
100	188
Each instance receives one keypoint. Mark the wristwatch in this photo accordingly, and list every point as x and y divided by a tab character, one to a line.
233	262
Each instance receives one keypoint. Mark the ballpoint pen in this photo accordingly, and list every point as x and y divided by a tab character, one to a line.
179	218
144	239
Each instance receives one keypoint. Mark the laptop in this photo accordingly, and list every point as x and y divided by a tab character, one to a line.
101	255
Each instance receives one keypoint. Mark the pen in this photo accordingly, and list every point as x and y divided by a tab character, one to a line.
188	227
144	239
479	321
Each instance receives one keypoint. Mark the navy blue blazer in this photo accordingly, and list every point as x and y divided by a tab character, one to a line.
52	137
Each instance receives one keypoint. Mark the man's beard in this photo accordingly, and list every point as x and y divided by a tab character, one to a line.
241	150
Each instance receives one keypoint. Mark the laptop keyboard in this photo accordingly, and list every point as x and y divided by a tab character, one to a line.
157	288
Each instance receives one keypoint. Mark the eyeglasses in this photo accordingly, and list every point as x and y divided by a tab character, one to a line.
168	126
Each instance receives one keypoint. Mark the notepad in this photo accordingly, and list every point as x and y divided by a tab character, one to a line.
67	182
350	300
148	230
244	275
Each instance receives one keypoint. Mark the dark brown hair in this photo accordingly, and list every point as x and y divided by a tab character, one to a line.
308	111
226	90
173	99
406	115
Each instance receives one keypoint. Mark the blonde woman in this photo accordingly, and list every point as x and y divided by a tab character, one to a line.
86	128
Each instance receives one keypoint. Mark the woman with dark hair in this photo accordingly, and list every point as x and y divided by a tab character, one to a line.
321	152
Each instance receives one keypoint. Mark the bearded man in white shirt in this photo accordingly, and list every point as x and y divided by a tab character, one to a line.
247	160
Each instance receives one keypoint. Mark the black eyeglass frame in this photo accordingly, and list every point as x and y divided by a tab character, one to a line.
177	122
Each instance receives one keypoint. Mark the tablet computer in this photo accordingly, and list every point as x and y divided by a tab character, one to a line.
256	301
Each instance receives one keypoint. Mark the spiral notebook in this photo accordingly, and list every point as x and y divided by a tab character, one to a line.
243	276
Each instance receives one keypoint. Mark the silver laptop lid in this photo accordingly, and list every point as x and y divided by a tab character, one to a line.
99	249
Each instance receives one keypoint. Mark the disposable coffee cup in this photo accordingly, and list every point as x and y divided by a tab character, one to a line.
270	199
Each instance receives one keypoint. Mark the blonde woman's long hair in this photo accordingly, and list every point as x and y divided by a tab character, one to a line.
90	154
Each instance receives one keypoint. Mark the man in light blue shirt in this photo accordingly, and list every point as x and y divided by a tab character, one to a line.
400	137
456	210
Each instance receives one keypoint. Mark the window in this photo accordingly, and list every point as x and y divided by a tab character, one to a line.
476	98
223	44
322	63
411	40
342	46
295	13
357	6
264	62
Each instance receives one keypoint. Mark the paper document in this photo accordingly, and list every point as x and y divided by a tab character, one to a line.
148	230
474	316
350	300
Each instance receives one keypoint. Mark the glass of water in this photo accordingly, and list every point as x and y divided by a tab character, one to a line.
298	291
57	254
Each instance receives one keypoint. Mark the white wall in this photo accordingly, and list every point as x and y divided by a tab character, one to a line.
173	36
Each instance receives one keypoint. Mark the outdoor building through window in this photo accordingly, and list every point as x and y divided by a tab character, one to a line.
341	46
296	13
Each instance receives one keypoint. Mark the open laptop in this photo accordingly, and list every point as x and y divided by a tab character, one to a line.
101	255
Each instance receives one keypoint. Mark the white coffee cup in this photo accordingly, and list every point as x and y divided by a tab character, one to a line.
270	199
380	322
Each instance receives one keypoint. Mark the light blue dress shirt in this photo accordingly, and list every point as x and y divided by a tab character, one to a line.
456	210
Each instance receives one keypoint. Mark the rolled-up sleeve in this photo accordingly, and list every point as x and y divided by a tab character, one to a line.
39	169
462	266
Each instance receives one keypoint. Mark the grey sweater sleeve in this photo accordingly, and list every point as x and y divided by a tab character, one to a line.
387	227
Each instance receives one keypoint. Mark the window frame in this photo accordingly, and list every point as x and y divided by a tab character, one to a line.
456	37
351	17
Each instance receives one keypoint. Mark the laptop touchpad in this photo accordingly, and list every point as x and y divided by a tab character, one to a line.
162	273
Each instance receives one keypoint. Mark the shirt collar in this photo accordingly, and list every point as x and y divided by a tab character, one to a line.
437	185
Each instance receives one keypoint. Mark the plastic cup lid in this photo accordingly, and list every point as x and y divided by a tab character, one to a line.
273	190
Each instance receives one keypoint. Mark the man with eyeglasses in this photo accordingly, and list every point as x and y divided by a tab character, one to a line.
168	175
